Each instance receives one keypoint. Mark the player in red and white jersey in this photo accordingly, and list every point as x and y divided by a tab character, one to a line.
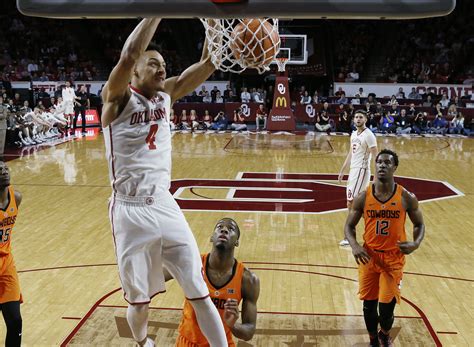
363	150
150	231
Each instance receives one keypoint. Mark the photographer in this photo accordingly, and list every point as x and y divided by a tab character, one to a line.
220	122
238	121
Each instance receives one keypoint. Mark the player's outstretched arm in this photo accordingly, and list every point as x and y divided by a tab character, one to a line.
192	77
355	214
115	92
410	202
250	294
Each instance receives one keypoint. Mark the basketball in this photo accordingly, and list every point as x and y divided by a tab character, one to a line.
255	41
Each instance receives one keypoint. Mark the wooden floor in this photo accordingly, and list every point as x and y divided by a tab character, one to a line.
64	250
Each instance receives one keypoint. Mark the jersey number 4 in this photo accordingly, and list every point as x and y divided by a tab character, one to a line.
381	227
150	139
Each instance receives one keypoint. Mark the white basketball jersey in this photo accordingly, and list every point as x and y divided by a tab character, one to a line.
360	144
138	146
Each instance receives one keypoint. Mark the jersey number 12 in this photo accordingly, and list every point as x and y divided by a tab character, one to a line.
150	139
381	227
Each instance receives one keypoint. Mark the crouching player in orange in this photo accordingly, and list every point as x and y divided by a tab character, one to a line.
10	296
384	206
229	283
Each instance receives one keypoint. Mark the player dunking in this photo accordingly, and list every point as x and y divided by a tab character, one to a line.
10	295
150	231
384	206
363	149
229	282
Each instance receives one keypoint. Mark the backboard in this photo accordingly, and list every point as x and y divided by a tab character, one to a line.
295	48
290	9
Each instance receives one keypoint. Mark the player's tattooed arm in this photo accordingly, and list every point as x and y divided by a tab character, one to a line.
410	203
250	294
355	214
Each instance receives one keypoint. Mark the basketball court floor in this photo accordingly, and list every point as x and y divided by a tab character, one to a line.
283	192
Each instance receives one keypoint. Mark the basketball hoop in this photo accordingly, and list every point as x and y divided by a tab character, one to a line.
281	62
220	35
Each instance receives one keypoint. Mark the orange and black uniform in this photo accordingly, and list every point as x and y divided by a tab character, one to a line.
381	277
189	333
9	283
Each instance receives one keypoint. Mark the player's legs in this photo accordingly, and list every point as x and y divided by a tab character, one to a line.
13	321
138	247
369	278
371	318
357	182
181	258
137	318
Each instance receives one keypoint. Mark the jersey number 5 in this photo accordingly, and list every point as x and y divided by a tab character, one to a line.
381	227
150	139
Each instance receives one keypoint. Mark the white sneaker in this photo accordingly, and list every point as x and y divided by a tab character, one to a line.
344	243
149	343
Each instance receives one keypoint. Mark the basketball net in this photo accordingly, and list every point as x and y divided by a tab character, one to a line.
281	63
219	35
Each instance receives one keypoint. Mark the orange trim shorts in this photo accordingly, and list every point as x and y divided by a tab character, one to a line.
381	278
9	283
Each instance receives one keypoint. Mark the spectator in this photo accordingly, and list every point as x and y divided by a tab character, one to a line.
403	123
261	116
372	123
439	125
355	100
387	123
194	97
428	102
322	122
394	111
214	92
371	99
4	114
206	98
203	91
220	122
411	111
238	121
245	96
393	101
452	111
44	77
362	93
344	124
258	97
420	124
339	92
456	126
379	111
230	97
25	108
340	110
400	94
342	99
414	94
444	101
305	98
316	97
218	99
227	91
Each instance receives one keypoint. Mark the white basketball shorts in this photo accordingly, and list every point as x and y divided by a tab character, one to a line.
69	108
151	233
358	181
